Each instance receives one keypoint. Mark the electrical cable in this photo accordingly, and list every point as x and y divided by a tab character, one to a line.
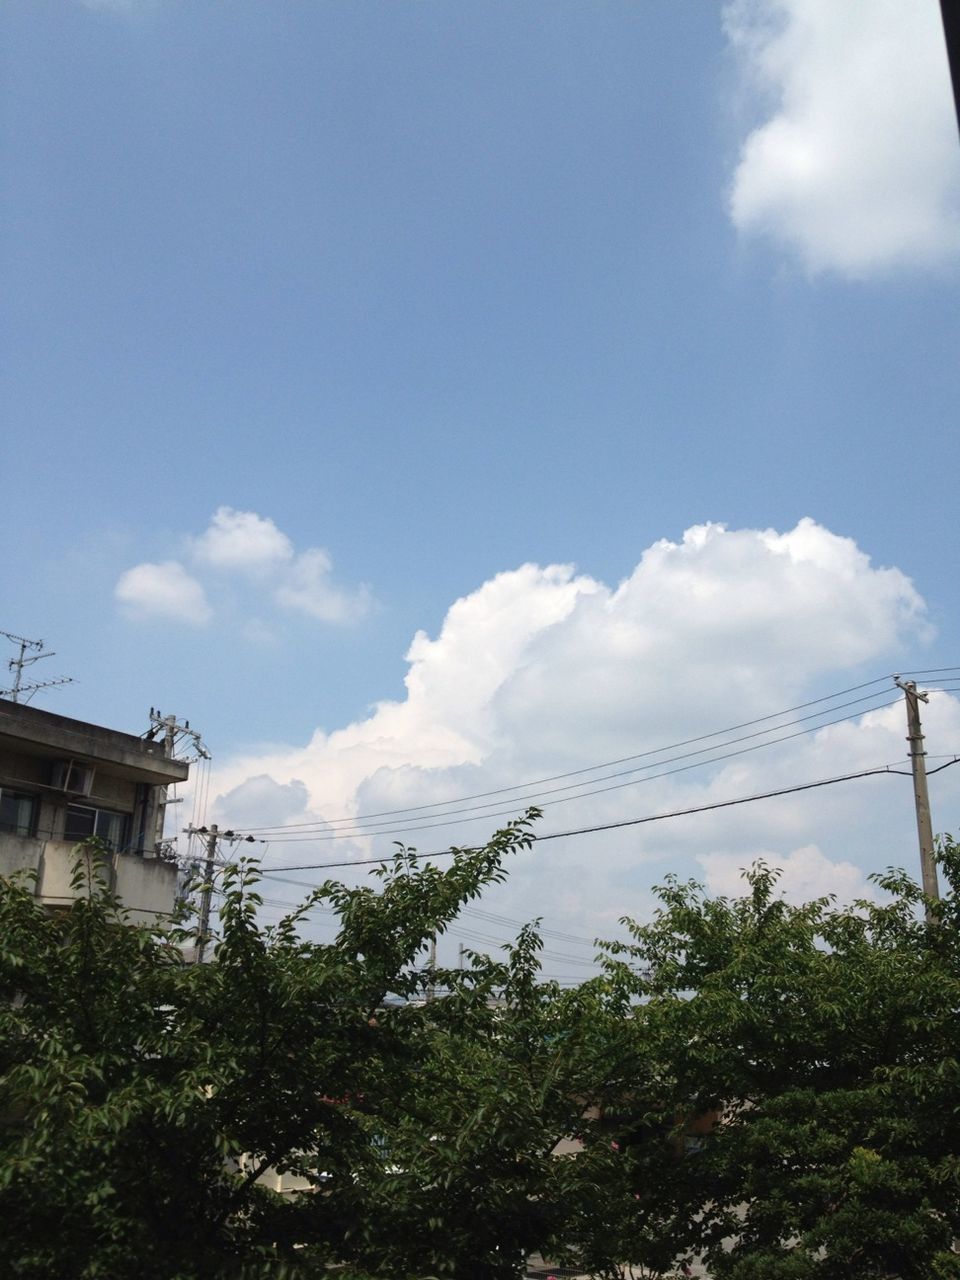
609	764
510	922
665	773
461	931
481	810
632	822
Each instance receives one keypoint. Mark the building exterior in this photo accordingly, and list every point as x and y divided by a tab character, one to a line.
62	781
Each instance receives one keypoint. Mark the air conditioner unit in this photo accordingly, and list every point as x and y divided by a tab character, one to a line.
68	775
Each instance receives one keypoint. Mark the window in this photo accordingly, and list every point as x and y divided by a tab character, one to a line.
17	812
83	822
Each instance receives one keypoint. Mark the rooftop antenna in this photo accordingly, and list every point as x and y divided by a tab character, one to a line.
25	659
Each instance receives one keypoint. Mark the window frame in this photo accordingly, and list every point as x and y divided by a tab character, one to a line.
17	829
117	842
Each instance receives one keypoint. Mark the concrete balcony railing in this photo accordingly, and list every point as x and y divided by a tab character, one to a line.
147	887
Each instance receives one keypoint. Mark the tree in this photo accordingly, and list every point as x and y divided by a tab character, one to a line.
826	1041
775	1088
469	1183
142	1097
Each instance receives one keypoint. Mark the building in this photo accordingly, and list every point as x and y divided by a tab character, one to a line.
62	781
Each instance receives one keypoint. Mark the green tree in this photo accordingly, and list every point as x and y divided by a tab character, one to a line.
469	1183
142	1097
775	1088
826	1040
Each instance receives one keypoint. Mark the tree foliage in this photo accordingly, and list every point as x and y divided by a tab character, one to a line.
773	1088
143	1098
823	1041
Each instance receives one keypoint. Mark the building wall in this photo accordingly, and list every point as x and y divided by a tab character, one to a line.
147	887
32	774
108	783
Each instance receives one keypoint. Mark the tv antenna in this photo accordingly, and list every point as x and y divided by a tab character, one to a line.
20	692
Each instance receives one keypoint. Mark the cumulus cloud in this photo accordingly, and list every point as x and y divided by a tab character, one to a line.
806	874
163	590
262	560
307	586
855	166
260	801
242	540
542	671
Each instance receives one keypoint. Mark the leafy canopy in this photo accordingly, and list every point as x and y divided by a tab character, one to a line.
773	1088
808	1064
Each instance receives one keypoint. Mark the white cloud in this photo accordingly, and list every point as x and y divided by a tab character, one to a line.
242	541
857	166
307	587
806	874
542	670
163	591
260	800
266	569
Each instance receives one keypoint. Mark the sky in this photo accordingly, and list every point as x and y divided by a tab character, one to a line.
429	399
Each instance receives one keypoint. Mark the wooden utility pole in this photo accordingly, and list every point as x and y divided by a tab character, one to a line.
212	835
921	796
206	892
431	990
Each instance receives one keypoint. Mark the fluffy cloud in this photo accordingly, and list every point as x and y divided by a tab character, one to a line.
242	540
260	801
259	556
307	586
856	166
542	671
806	874
164	590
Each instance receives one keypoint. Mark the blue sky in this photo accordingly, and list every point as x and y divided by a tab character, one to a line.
433	291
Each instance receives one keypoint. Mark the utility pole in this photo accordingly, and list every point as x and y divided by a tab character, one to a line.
431	990
174	735
212	835
206	892
921	796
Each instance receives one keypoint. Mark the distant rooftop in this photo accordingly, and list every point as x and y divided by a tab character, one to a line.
34	732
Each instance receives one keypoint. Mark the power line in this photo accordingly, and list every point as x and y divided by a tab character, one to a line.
609	764
460	931
320	831
509	922
726	804
537	796
453	819
632	822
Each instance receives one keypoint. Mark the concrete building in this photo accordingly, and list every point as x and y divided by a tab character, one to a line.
63	780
